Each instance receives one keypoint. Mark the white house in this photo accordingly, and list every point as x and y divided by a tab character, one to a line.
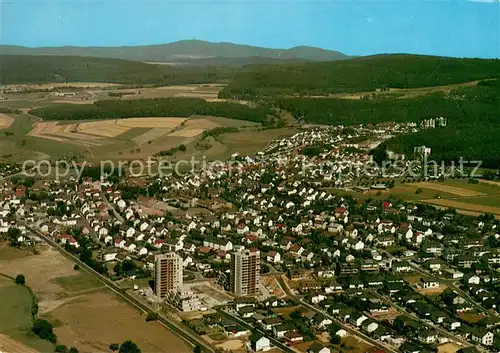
260	344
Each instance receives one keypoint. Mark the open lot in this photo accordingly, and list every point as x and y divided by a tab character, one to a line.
448	348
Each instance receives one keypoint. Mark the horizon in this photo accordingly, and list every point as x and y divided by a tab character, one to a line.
459	28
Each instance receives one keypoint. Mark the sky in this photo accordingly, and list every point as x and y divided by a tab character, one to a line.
460	28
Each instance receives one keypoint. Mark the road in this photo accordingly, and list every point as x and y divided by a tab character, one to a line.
190	337
349	329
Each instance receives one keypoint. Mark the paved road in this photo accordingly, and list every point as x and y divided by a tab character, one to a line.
349	329
190	337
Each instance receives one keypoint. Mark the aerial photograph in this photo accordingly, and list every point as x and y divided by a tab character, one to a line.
238	176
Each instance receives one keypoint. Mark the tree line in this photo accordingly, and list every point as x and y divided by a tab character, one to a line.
156	107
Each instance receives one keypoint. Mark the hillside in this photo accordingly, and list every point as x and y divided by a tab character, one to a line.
181	51
20	69
358	75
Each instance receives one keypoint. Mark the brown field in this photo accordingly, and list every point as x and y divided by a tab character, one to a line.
9	345
85	314
101	132
448	348
472	318
5	121
232	346
476	209
448	189
94	321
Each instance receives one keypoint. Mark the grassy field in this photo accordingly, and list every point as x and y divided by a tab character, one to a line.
78	282
15	315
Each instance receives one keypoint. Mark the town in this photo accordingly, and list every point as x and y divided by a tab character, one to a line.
300	248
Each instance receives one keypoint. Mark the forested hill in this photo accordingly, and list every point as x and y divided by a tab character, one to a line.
21	69
358	75
183	51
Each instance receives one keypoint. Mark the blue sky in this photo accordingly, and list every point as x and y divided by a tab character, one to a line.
453	28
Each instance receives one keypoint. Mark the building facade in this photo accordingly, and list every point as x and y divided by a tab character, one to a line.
245	273
168	274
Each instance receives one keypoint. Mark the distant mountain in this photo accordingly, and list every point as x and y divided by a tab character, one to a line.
185	51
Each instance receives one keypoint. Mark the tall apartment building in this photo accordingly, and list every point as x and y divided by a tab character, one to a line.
168	274
245	272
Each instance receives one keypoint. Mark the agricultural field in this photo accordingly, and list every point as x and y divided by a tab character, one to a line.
8	344
208	92
83	312
466	198
5	121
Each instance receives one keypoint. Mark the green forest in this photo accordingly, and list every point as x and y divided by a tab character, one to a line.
155	107
22	69
357	75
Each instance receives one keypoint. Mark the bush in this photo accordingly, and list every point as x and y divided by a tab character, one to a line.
335	339
114	346
73	350
151	316
20	279
76	267
61	348
182	148
129	347
43	329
